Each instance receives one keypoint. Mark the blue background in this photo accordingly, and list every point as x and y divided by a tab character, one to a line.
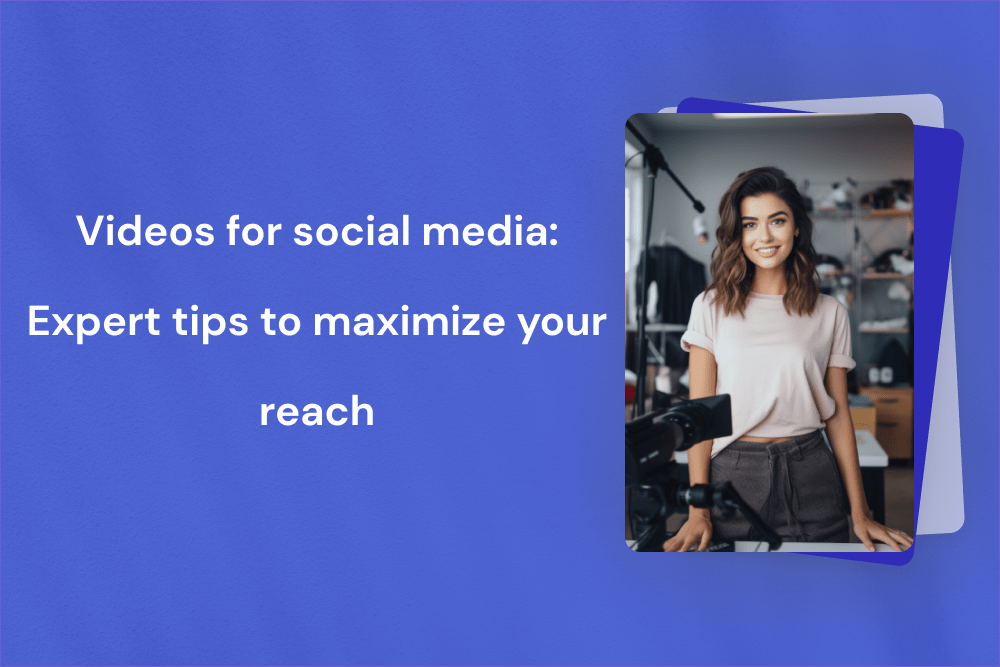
147	518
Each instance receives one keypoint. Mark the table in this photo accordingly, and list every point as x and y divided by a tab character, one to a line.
800	547
811	547
873	460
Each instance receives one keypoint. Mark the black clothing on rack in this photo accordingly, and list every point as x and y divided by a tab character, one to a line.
679	280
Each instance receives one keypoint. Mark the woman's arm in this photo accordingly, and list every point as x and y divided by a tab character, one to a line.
840	431
697	530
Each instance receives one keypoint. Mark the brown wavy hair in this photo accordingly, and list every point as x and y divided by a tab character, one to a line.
732	272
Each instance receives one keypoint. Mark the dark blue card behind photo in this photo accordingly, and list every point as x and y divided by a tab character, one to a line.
147	517
937	163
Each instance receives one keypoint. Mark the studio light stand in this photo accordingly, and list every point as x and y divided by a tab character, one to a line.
655	161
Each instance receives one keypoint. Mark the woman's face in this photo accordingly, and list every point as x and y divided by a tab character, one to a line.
768	230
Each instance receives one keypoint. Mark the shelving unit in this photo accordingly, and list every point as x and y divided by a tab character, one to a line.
876	231
857	236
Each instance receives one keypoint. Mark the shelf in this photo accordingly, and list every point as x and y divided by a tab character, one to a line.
888	213
886	276
894	330
838	213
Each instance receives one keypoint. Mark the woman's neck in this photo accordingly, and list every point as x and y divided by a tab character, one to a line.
770	281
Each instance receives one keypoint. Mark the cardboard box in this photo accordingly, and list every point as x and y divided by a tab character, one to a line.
893	419
864	419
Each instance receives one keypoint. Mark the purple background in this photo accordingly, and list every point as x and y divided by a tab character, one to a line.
147	518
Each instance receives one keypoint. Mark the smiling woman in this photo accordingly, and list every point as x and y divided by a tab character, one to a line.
761	211
767	237
763	333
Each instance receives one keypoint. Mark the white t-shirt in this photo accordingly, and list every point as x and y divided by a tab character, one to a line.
772	364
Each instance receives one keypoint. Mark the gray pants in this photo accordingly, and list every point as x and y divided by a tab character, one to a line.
794	486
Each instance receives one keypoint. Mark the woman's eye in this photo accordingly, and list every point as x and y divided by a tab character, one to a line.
748	225
778	221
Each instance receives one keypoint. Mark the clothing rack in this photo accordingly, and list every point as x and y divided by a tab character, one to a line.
658	354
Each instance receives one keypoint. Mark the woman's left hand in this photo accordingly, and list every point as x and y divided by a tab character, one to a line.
867	529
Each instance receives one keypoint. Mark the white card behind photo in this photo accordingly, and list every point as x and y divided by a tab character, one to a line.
942	500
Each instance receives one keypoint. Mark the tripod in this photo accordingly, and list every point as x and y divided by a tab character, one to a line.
655	161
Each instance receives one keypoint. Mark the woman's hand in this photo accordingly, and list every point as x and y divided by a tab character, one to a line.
867	529
697	530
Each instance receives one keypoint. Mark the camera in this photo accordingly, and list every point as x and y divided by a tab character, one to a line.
654	491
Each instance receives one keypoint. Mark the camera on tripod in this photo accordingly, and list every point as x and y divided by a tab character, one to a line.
656	493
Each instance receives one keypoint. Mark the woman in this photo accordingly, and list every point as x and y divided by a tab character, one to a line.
763	333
